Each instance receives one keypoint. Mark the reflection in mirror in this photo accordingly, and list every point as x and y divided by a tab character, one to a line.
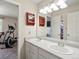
48	26
73	26
70	17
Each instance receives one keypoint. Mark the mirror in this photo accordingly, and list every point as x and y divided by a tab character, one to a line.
53	22
73	26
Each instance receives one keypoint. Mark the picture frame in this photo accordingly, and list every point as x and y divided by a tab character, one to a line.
41	21
30	19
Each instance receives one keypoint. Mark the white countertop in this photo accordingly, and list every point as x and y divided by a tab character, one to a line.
44	46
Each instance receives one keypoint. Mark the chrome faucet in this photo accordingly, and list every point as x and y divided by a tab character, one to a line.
61	43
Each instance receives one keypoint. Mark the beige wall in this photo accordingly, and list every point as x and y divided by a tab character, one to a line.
64	14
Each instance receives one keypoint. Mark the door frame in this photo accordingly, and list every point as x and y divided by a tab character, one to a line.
17	4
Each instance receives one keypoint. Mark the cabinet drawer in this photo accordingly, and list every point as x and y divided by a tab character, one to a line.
27	50
33	49
48	55
33	56
41	57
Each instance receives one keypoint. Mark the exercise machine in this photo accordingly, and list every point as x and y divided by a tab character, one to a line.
9	38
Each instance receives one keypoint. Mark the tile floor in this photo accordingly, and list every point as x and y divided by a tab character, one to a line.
10	53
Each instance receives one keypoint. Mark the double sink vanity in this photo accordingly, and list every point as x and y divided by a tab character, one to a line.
40	48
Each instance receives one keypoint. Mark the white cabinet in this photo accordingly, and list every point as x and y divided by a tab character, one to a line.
34	52
33	56
31	51
47	55
34	49
27	50
41	57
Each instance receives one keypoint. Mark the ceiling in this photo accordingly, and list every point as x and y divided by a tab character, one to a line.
8	9
72	2
69	2
37	1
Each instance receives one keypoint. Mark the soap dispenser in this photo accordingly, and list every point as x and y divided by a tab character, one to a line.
61	33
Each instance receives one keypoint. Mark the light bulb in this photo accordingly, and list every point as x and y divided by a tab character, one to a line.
48	9
54	7
61	4
43	11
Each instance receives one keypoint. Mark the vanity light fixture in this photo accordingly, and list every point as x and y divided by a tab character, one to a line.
63	6
59	4
48	9
43	11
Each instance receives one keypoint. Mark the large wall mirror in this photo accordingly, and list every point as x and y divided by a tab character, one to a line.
73	26
70	17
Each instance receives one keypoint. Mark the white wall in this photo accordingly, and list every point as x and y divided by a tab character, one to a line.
41	31
24	30
55	27
9	21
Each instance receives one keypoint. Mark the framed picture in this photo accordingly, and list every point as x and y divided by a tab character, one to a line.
41	21
30	19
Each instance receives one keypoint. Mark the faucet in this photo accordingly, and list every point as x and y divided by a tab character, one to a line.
61	43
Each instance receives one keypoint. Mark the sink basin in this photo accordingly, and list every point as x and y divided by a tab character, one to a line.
62	50
54	46
35	40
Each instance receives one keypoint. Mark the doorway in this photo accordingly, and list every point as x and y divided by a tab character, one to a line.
8	30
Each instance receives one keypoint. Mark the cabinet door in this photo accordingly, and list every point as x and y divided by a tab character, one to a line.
45	55
27	50
41	57
33	56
